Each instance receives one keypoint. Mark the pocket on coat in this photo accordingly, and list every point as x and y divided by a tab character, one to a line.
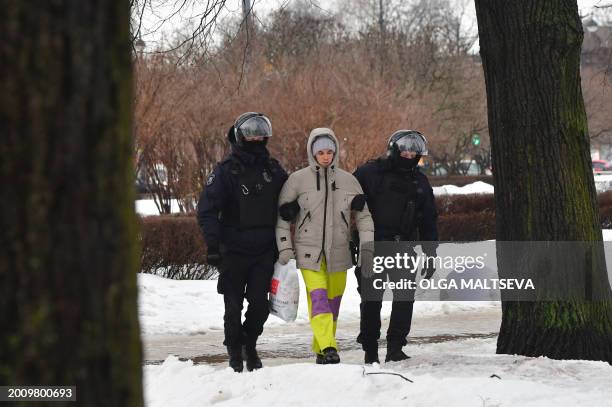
307	254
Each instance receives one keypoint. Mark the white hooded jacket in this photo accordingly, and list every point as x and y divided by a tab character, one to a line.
322	226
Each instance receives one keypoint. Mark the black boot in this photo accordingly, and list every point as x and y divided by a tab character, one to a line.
371	355
330	356
395	353
235	358
320	359
252	358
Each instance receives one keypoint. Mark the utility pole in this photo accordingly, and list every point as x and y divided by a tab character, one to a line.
383	36
247	16
247	21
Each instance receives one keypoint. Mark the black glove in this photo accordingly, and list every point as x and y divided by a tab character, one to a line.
358	202
428	271
213	257
288	211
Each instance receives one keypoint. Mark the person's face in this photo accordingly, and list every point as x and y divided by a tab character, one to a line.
408	154
255	138
324	157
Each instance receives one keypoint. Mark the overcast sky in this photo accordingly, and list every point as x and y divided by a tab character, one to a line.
584	6
233	8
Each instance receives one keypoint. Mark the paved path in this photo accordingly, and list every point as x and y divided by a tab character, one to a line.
291	342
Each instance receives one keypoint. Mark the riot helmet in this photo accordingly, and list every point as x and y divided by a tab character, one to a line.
406	140
251	125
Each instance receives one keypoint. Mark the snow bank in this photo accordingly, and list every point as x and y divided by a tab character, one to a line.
453	374
477	187
146	207
178	306
449	373
189	307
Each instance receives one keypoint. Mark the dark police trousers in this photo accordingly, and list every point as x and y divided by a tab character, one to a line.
401	313
245	276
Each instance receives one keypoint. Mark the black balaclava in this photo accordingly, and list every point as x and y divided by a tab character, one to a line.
404	164
408	163
256	148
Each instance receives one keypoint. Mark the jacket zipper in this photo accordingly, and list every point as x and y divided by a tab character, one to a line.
304	220
324	219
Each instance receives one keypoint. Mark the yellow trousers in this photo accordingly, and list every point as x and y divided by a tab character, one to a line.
324	292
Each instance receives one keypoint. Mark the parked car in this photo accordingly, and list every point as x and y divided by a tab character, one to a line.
466	167
601	165
470	167
439	170
141	187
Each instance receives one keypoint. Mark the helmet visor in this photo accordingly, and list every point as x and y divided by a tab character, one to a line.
412	142
257	126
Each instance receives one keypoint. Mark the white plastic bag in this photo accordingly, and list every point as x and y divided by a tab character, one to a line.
285	292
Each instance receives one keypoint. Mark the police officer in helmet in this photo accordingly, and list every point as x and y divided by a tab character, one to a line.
237	213
402	204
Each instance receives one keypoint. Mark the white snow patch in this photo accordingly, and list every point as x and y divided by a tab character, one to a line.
445	375
146	207
451	373
607	234
189	307
477	187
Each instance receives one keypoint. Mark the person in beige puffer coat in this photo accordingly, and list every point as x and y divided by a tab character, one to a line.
319	200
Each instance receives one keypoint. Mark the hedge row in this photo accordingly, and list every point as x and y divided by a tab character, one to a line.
456	204
466	226
476	203
172	245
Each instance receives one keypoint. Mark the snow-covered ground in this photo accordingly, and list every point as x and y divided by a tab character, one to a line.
188	307
452	345
457	373
147	207
477	187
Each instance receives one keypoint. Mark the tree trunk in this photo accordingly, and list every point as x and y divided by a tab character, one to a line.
544	188
68	257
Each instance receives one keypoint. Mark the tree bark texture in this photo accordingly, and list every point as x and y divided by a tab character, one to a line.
68	257
544	187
